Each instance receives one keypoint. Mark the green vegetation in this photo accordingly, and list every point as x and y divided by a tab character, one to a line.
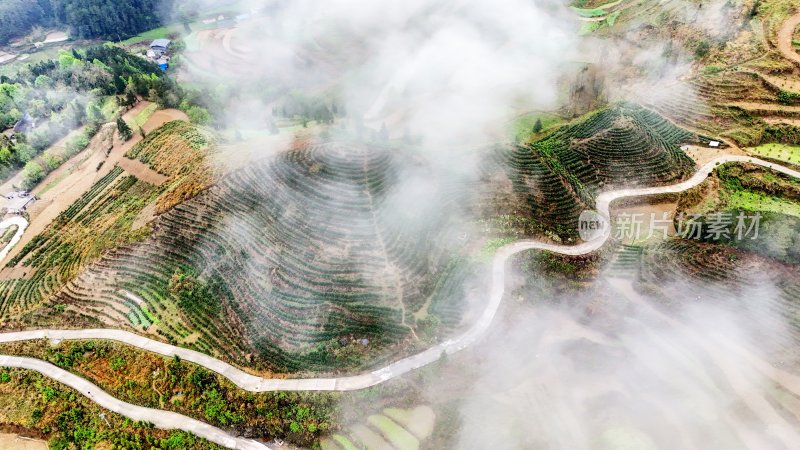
100	220
488	250
558	175
594	12
782	152
153	34
54	96
532	124
194	293
154	381
70	421
754	201
209	306
788	98
394	433
749	190
124	130
84	18
143	115
402	429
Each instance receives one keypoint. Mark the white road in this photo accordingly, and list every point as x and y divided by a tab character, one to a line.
21	224
249	382
161	419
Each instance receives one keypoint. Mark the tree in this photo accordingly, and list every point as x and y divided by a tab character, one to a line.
198	115
125	131
33	174
537	127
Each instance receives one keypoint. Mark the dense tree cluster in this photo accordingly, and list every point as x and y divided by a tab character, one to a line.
109	19
60	95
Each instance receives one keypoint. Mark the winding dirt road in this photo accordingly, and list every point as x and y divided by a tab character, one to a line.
785	35
170	420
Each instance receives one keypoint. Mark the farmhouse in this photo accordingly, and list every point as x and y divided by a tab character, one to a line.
24	124
18	202
160	46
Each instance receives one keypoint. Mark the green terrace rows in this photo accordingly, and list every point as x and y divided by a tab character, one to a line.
102	216
559	176
299	251
682	272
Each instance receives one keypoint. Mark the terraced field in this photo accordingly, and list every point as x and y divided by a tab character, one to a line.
101	219
400	429
768	291
554	179
305	256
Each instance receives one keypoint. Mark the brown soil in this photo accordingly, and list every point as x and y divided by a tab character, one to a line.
142	171
16	442
79	174
13	183
163	116
781	120
16	272
768	108
704	155
785	35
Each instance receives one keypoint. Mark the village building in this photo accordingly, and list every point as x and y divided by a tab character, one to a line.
160	46
18	202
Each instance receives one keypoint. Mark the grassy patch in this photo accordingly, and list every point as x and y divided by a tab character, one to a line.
144	115
151	35
399	437
523	126
344	442
491	247
590	27
783	152
589	12
754	201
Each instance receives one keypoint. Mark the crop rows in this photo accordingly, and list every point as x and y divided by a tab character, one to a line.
307	249
560	175
737	284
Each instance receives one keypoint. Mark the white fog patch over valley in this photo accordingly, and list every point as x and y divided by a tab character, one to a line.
354	224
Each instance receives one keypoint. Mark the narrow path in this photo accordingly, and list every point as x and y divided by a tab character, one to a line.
785	35
253	383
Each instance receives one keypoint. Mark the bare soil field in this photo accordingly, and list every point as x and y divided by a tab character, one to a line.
161	117
16	273
67	183
142	171
702	155
56	36
16	442
221	53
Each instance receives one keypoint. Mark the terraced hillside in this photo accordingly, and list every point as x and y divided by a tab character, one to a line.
112	213
767	291
311	259
545	185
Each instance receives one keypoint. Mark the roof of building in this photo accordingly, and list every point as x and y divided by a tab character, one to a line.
24	124
18	203
160	43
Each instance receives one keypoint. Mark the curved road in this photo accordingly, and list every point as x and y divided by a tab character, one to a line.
21	224
785	34
161	419
169	420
